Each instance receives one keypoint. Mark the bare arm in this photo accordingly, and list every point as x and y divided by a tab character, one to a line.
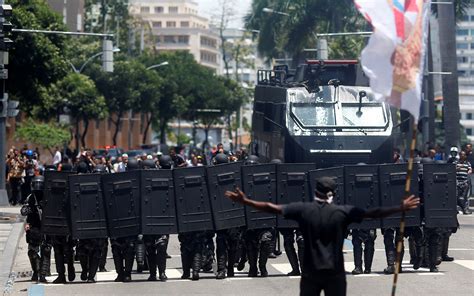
409	203
268	207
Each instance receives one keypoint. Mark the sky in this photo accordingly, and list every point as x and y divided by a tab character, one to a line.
208	7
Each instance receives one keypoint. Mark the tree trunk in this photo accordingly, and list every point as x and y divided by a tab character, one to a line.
117	127
147	127
206	137
84	133
163	125
447	33
229	130
77	135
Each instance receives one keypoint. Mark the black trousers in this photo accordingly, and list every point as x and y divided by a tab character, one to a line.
332	285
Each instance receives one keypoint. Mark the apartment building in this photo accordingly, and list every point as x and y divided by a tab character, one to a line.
465	56
72	12
176	25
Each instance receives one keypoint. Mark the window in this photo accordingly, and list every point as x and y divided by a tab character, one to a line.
183	39
469	131
462	46
314	114
184	24
462	59
171	24
469	116
208	57
159	9
472	18
465	18
461	73
173	9
156	24
205	41
145	9
169	39
462	32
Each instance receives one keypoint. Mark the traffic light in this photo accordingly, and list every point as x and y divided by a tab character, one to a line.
108	56
13	110
5	27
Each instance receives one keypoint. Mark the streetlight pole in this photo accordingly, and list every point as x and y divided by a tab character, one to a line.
89	60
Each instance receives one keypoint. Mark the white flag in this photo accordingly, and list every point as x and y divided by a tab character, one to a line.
395	55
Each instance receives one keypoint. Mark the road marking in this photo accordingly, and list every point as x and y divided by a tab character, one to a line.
36	290
465	263
430	273
283	267
173	273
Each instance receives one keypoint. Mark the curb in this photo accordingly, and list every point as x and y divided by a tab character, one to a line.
8	257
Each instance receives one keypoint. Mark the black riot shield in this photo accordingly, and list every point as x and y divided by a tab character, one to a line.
337	174
259	183
88	218
158	202
220	178
293	186
55	219
392	179
193	207
362	190
439	194
122	203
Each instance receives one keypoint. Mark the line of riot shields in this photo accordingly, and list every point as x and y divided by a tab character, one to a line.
154	202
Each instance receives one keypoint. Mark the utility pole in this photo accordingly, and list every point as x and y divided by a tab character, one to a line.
7	109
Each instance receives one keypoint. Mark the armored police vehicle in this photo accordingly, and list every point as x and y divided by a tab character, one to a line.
323	112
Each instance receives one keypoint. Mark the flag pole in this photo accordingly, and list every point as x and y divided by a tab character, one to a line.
398	260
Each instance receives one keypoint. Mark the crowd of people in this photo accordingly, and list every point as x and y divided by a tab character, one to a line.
428	247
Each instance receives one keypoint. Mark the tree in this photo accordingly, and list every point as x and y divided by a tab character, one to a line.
46	135
120	90
36	60
280	34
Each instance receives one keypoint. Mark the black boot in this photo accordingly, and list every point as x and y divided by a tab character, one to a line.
445	248
230	262
357	270
129	258
433	257
35	264
252	256
84	260
93	267
265	250
221	265
293	259
390	269
118	262
186	263
59	260
196	265
61	279
368	258
151	258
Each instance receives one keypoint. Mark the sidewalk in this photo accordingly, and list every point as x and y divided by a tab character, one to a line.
11	230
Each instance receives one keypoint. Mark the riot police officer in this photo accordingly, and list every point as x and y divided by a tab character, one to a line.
366	237
39	251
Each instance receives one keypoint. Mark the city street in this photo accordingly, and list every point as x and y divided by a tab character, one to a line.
454	278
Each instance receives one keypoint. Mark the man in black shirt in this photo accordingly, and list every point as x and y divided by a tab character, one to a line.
324	227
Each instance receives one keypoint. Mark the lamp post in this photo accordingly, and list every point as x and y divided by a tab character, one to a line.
116	49
165	63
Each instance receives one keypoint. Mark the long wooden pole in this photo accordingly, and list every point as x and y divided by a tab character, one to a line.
398	262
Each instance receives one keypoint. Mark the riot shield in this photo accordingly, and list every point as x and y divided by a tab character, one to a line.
193	208
88	218
158	202
362	190
439	194
293	186
337	173
55	219
220	178
122	200
259	183
392	179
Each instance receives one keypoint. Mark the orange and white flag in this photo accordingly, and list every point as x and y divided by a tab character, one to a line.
395	55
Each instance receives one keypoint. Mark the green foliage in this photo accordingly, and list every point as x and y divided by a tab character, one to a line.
36	60
46	135
281	34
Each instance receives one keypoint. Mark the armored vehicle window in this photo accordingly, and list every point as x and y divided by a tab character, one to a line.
371	115
312	115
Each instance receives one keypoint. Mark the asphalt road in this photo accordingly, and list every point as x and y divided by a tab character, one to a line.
454	278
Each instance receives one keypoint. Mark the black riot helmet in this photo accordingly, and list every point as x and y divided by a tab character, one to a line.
252	159
148	164
133	165
166	162
100	168
82	168
276	161
221	158
37	183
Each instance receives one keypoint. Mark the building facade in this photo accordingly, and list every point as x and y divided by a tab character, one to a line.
176	25
72	12
465	56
